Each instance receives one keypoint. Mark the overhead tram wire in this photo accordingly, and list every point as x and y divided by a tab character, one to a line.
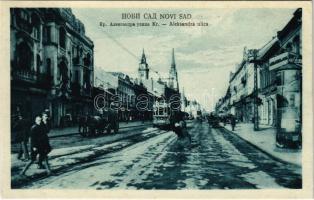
127	50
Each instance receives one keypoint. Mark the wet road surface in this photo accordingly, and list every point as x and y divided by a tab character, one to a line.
217	160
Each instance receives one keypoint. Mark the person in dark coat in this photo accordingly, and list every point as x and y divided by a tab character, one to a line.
21	128
46	126
39	145
233	122
178	125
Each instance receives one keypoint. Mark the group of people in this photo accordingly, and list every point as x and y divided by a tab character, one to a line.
37	135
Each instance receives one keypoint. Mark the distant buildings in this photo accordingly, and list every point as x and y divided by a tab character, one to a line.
52	63
279	77
134	92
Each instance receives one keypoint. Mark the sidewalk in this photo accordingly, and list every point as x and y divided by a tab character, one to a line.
266	141
74	129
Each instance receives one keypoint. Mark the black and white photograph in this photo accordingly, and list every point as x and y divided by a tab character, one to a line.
157	98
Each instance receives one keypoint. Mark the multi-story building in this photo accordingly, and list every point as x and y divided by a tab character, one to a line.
286	65
222	107
126	96
51	63
268	88
241	85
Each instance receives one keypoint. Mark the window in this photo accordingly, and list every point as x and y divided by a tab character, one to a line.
36	32
48	34
62	37
73	51
76	77
280	78
24	56
36	26
38	62
48	62
297	45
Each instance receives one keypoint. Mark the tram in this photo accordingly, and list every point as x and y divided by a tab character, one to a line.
161	116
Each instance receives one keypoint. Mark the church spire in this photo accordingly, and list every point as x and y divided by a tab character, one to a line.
143	59
173	76
173	62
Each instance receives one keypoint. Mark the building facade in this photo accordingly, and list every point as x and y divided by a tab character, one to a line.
242	89
51	63
126	97
286	64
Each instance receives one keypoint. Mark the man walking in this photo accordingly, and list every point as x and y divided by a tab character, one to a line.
39	145
22	133
45	128
233	122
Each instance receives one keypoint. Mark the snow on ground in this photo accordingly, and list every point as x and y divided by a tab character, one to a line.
261	180
107	146
69	150
149	130
123	166
236	157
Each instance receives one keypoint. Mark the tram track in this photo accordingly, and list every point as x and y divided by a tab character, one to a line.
92	153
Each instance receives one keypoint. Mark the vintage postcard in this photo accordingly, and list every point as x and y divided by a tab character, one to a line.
157	99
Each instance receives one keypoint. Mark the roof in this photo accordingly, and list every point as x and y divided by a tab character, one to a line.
262	52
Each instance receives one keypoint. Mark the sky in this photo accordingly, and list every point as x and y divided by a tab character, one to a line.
205	55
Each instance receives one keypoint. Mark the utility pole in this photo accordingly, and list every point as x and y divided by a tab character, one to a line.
256	121
253	59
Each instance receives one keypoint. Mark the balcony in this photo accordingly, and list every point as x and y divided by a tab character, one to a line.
24	75
32	77
287	60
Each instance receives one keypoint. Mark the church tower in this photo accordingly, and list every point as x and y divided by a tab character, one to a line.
143	70
173	75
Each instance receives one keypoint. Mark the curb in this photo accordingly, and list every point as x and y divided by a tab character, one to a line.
262	150
77	133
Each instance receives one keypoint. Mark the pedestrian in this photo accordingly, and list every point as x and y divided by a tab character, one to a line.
21	128
46	129
233	122
39	145
178	126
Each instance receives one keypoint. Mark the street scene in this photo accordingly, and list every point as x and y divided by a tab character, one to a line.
156	99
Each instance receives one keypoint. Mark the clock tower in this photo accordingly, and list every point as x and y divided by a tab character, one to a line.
143	70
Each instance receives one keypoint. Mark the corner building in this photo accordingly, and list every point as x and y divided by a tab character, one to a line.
52	64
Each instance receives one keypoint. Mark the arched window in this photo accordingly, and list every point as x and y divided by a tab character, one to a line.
62	37
24	56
